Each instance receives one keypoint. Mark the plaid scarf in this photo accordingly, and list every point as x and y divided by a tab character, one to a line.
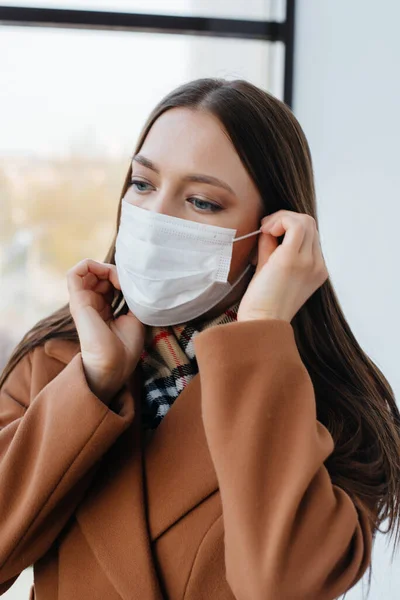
168	363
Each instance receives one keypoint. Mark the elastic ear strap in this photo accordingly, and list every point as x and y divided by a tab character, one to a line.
247	235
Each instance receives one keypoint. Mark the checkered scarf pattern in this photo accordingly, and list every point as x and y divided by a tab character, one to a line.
168	363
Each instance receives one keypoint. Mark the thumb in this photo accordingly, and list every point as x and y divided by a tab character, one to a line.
133	321
128	326
267	243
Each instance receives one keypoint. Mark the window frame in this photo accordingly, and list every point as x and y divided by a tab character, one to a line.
269	31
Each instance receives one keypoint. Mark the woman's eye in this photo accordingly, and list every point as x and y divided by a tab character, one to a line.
213	207
202	205
138	182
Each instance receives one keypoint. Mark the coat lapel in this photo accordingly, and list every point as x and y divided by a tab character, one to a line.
178	467
142	488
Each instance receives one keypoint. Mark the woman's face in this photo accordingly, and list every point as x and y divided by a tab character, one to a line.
184	143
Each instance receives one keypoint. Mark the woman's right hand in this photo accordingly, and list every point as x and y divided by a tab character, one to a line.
110	347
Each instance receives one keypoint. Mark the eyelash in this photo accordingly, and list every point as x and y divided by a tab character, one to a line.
214	207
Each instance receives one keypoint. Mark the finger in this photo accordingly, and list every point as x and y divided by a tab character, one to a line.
106	313
90	281
308	241
109	296
103	287
78	275
113	276
266	245
292	226
84	267
133	317
272	216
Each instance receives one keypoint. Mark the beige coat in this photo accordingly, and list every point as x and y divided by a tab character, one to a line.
229	499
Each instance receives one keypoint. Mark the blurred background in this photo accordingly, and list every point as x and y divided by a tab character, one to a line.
74	94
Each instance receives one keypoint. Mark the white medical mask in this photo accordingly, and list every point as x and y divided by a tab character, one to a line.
172	270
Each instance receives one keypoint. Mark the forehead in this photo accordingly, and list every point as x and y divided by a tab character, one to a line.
183	140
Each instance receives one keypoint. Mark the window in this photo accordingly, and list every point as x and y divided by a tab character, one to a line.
73	100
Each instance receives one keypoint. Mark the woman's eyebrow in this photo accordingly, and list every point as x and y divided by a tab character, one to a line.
196	177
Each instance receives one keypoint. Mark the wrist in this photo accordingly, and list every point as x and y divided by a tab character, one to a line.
104	389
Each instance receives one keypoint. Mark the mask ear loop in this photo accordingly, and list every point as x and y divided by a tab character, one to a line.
247	235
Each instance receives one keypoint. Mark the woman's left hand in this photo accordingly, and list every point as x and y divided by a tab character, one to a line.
287	274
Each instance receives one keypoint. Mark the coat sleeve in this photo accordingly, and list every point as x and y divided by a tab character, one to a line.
289	532
50	445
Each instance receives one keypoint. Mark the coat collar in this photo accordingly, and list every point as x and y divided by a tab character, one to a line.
156	482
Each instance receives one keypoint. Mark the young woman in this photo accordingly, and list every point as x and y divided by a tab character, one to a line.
199	421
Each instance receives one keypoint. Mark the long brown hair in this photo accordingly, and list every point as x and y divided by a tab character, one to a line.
354	400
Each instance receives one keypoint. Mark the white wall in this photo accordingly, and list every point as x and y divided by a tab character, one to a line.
347	92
